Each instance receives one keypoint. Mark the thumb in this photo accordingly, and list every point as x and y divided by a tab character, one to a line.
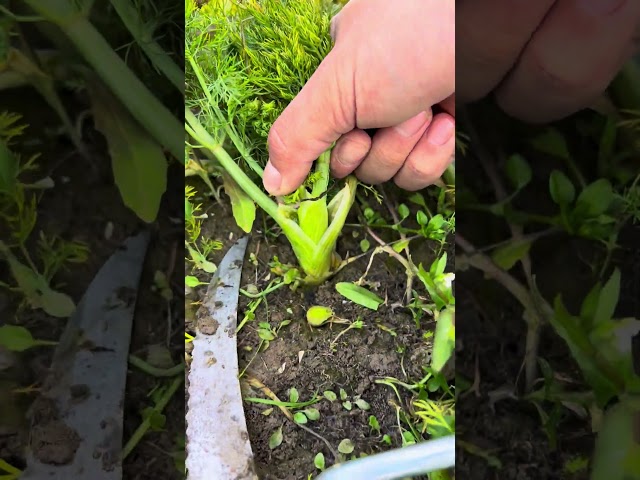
322	112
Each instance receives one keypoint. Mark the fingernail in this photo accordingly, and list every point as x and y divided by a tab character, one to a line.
410	127
441	131
600	7
271	179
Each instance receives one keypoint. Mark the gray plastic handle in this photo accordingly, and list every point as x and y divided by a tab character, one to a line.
417	459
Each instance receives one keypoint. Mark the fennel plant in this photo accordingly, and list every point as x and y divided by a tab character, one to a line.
245	61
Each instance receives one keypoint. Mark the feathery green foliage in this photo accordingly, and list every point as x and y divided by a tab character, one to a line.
246	60
255	57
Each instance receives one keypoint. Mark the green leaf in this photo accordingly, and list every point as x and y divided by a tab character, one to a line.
318	461
617	450
138	161
242	206
313	217
192	282
330	395
365	245
401	245
293	395
595	199
438	285
444	339
343	394
362	404
553	143
200	261
590	304
562	190
347	405
359	295
403	211
438	266
408	438
265	334
346	446
607	300
518	171
318	315
573	333
154	418
511	253
422	218
373	423
276	438
312	413
16	338
418	199
608	140
300	418
36	289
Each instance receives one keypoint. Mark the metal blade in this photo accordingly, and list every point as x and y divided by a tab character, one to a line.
77	422
218	444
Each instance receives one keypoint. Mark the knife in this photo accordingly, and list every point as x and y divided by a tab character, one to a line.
218	444
76	423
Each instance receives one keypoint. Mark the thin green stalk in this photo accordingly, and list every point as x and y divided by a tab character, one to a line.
340	217
197	131
264	292
146	423
133	94
155	371
313	216
322	169
152	49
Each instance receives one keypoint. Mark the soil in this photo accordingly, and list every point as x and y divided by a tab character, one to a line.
315	360
85	206
491	333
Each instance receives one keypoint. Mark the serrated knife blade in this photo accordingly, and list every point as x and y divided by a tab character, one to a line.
218	444
76	423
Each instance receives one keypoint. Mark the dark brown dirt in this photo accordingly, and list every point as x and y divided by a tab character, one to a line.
303	357
82	205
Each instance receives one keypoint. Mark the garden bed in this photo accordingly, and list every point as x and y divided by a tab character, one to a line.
314	360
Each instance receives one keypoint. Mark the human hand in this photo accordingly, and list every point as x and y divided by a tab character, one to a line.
390	64
544	60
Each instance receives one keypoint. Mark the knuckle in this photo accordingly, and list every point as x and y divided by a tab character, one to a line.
388	162
420	169
555	77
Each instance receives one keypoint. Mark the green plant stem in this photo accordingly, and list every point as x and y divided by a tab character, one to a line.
146	423
155	371
263	293
206	141
163	62
322	168
133	94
